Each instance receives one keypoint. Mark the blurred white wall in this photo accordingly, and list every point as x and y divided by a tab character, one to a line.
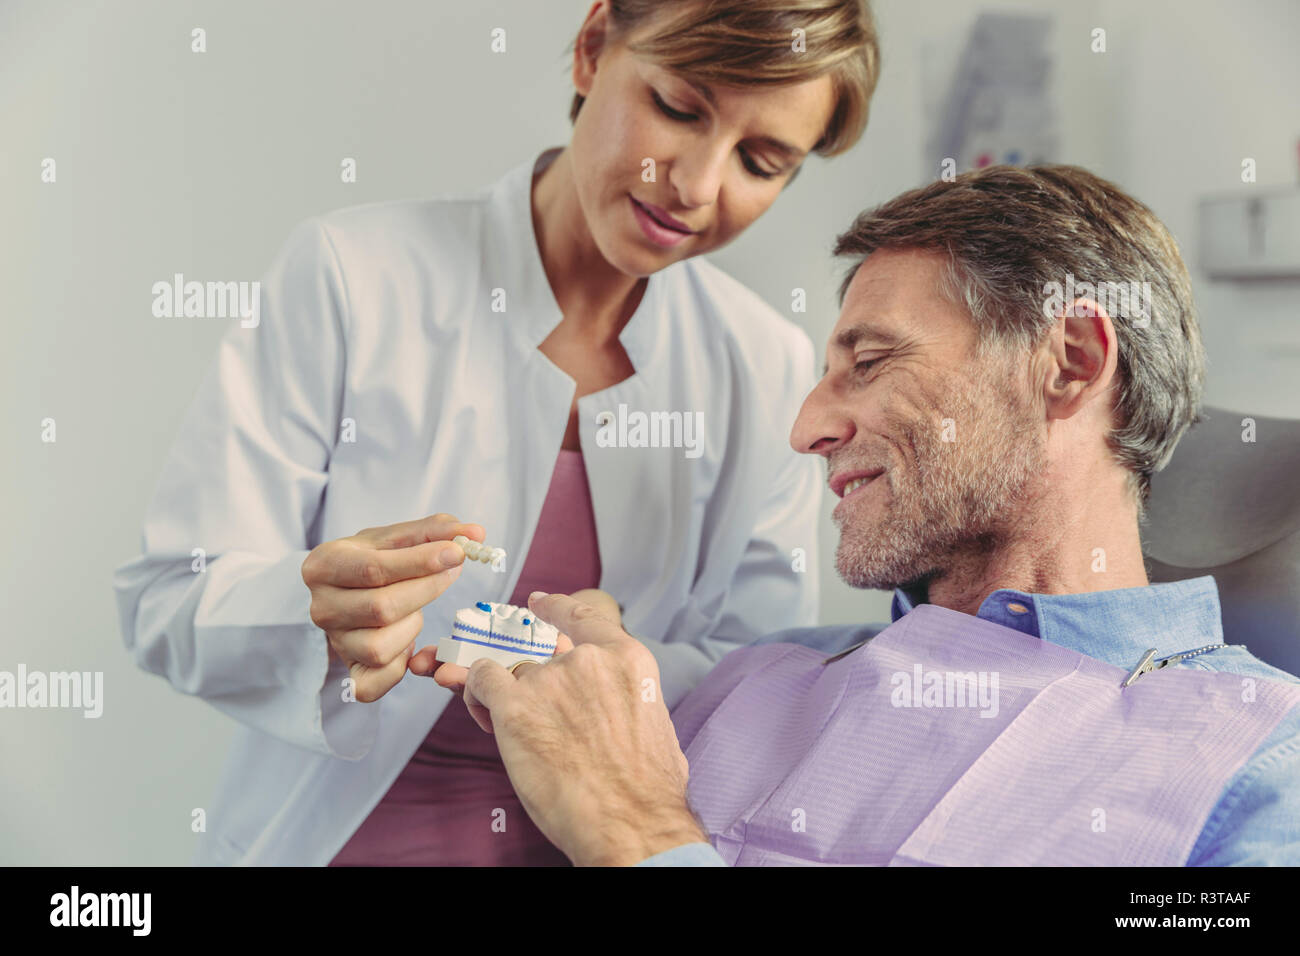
170	161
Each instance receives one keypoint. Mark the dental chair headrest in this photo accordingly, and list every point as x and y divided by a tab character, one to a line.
1230	507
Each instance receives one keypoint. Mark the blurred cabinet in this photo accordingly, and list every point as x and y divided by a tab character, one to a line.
1253	236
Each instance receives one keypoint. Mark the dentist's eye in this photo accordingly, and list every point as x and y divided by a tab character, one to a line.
669	111
864	365
755	169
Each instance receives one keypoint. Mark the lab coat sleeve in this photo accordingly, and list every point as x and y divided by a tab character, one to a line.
775	585
244	481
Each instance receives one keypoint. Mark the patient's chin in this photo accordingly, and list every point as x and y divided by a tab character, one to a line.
872	564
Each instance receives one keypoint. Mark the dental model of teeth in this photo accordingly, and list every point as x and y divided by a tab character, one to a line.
478	552
500	632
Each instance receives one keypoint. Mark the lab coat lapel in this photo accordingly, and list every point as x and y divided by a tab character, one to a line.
641	496
517	437
650	477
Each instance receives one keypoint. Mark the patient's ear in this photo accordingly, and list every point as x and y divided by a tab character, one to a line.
1081	353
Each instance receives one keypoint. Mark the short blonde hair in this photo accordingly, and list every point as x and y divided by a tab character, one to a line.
751	42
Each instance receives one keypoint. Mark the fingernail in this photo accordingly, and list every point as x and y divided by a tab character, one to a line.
451	556
536	596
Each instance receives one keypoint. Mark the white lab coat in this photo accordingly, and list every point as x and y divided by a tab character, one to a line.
383	314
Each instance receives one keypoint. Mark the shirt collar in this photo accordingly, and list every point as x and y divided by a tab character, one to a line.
1113	626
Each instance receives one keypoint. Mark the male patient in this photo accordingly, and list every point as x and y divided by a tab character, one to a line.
992	435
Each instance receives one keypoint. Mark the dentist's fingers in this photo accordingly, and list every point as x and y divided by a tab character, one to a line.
425	663
372	683
439	527
368	560
367	591
376	647
342	609
347	563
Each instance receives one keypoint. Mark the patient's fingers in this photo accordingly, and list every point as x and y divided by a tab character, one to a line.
602	601
452	676
588	624
455	678
482	716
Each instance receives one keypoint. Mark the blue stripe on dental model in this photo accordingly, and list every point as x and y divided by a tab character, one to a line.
492	635
503	647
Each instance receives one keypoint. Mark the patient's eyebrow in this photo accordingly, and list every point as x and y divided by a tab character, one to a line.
855	335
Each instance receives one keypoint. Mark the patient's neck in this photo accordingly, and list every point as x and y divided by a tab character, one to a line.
1069	541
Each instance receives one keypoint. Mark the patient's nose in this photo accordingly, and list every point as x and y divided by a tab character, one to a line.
820	428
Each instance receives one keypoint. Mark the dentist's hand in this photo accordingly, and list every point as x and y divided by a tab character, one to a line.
587	741
367	591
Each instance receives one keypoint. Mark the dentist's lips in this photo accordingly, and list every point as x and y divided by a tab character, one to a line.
659	227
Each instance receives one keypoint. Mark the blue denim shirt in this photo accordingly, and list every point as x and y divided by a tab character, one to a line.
1257	818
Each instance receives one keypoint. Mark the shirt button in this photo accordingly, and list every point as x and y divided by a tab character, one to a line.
1017	608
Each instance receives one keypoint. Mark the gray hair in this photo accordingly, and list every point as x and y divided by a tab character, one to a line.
1011	234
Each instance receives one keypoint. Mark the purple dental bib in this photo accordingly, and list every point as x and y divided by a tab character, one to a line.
948	740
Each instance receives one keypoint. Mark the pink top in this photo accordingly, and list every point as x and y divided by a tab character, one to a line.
443	809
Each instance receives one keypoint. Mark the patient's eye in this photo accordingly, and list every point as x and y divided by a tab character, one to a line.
864	365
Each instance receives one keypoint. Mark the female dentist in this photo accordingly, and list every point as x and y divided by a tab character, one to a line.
519	358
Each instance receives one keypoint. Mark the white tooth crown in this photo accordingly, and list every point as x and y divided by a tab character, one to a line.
478	552
500	632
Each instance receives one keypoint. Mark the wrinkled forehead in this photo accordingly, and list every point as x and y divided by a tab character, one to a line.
894	298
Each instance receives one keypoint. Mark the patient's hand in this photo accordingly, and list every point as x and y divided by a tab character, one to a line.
602	601
588	743
452	676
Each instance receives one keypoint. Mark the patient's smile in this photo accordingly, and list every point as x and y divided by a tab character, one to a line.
854	485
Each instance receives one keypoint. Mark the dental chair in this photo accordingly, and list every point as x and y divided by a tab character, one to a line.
1231	508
